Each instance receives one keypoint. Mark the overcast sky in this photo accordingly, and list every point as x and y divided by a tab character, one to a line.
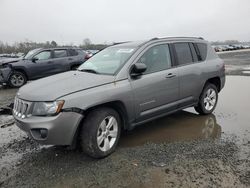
67	21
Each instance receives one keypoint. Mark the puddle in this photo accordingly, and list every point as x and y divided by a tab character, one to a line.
180	126
231	117
246	72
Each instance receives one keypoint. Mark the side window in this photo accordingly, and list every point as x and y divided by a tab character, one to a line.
43	55
81	52
202	51
156	58
60	53
194	54
73	52
183	53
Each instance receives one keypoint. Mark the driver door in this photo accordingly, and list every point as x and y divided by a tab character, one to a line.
42	66
157	90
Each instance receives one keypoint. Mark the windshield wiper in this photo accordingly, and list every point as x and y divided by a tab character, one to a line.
89	70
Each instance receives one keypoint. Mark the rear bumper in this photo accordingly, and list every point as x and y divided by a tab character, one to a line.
54	130
223	81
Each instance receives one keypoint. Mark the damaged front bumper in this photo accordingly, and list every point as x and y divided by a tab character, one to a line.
51	130
4	75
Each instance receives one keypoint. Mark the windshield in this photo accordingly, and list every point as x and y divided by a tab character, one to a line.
30	54
107	61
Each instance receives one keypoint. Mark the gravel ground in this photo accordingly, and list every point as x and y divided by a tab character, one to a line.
180	150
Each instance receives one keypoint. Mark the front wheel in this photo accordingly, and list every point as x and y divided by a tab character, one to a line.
17	79
100	132
208	100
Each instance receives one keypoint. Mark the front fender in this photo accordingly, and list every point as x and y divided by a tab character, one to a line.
108	93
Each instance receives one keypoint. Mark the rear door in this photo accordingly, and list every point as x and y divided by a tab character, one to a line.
157	90
60	61
190	72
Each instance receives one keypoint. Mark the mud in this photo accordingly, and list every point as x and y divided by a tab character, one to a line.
180	150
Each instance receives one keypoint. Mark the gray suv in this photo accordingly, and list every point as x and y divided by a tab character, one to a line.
119	88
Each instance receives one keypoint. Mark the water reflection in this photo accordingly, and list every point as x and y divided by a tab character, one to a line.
180	126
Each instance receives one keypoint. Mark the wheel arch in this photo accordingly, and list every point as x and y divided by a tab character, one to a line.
22	71
216	81
117	106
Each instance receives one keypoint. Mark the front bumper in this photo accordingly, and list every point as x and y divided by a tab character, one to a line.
53	130
4	75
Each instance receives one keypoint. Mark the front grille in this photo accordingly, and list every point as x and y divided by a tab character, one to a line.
22	109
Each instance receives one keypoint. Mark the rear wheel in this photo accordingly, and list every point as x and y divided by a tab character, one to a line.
208	100
17	79
100	132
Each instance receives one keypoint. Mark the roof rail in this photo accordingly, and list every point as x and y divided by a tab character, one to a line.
156	38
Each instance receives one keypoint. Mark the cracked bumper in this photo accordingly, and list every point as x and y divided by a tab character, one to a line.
4	75
53	130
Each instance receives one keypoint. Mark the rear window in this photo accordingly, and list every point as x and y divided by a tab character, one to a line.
81	52
202	51
183	53
73	52
60	53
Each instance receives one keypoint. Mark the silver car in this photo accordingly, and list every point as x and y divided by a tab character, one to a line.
123	86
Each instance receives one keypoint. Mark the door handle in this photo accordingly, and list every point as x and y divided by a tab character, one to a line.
170	75
70	59
50	62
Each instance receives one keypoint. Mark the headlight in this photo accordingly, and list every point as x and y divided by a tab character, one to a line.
47	108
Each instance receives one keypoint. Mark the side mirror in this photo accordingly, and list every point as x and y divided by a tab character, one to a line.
34	59
138	69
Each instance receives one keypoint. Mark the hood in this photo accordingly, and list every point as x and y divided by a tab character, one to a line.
53	87
9	60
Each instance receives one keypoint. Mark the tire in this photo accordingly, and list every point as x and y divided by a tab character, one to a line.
208	100
17	79
96	127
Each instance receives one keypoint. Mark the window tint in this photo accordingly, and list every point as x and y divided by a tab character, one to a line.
202	48
183	53
60	53
43	55
194	54
156	58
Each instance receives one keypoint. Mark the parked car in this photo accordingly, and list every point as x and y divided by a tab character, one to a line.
90	53
40	63
246	46
118	89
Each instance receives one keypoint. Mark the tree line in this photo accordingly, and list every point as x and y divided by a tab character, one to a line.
24	47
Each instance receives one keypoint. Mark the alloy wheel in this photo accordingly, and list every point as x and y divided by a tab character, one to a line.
210	99
17	80
107	133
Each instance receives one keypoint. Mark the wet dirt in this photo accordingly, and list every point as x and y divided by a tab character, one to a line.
180	150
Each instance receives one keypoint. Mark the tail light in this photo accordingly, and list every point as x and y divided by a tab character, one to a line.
87	56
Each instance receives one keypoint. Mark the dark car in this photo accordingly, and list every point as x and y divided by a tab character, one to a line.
40	63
